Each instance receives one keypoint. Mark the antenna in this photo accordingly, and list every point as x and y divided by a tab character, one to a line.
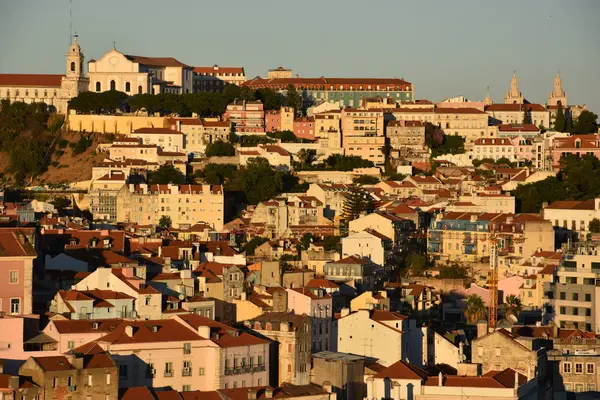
70	21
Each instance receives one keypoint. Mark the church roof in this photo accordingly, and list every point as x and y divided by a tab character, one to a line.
157	61
37	80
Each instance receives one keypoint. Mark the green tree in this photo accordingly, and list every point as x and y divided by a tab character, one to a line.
270	98
165	222
293	99
512	307
416	264
253	243
525	115
474	309
60	203
358	202
559	120
258	180
305	157
166	174
331	243
216	174
306	240
219	149
452	144
594	225
585	123
365	180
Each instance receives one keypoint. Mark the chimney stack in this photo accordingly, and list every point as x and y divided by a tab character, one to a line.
440	379
129	330
268	393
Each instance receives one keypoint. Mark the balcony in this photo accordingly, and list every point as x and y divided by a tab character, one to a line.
186	372
169	374
245	369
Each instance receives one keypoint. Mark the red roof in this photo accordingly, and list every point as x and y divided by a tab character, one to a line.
380	315
54	363
321	283
161	131
351	260
157	61
443	110
518	128
572	205
33	80
218	70
151	331
14	243
402	370
86	326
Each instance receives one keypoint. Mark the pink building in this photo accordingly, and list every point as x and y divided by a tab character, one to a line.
16	269
304	128
524	149
70	334
317	304
578	145
272	121
247	117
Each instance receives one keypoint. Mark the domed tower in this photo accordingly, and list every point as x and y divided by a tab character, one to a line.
488	99
514	96
557	94
74	60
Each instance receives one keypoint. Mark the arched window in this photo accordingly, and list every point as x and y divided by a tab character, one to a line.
140	89
127	87
72	66
113	85
98	87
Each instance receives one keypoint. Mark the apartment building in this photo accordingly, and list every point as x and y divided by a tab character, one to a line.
186	205
247	117
466	236
345	92
578	145
280	120
200	132
513	114
93	304
167	139
573	294
79	377
16	270
363	134
293	337
317	304
214	79
494	149
366	147
469	123
327	126
529	131
573	215
406	138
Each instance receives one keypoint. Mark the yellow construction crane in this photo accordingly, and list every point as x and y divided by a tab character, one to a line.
493	285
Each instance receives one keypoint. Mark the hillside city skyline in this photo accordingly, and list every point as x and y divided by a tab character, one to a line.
488	53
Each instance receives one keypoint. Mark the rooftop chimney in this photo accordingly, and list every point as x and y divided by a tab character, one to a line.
251	394
129	330
440	379
268	393
482	328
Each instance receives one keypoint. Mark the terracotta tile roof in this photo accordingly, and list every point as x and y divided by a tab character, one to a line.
162	131
548	270
310	294
228	336
351	260
402	370
54	363
444	110
321	283
15	244
5	382
157	61
151	331
572	205
518	128
136	393
271	148
65	327
216	69
167	395
31	80
425	179
377	234
380	315
515	107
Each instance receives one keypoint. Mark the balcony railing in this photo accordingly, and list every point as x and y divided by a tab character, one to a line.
169	374
245	369
186	372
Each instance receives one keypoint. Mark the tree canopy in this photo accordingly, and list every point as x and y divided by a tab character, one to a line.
358	202
365	180
585	123
578	180
166	174
216	174
258	180
559	119
336	162
219	149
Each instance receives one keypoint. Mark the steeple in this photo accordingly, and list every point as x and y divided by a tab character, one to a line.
488	99
74	59
513	96
557	94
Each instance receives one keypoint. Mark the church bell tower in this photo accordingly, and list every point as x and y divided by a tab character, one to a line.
75	81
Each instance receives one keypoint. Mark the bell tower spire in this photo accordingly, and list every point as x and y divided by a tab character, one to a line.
557	94
514	96
488	99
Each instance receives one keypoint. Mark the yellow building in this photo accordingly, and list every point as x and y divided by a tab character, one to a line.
186	205
360	122
469	123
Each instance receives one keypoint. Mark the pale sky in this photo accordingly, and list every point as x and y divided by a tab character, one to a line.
445	48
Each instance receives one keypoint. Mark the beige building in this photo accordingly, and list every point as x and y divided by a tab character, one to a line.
513	114
186	205
406	137
469	123
200	132
360	122
116	124
366	147
167	139
293	336
215	78
138	75
573	215
54	90
327	125
279	73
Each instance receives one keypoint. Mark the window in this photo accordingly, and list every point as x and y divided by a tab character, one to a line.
566	368
140	89
591	387
588	297
260	382
590	368
90	380
108	379
15	306
201	371
54	380
187	348
579	368
71	345
186	388
113	85
148	300
498	351
72	67
98	87
578	387
563	310
14	276
260	360
575	296
122	372
563	296
127	87
235	384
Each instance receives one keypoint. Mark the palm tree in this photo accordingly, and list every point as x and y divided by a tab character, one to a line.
512	306
474	309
